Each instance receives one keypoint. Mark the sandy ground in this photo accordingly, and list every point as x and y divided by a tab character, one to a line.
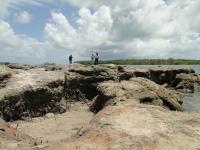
54	128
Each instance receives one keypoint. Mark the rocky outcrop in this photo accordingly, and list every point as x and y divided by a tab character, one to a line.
81	81
89	82
80	78
186	82
132	105
160	75
139	90
35	91
32	93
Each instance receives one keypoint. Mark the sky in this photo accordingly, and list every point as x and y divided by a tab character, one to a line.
39	31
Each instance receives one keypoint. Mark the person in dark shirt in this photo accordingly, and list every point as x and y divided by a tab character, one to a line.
96	61
92	59
70	59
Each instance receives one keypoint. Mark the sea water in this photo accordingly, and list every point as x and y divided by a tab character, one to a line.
191	101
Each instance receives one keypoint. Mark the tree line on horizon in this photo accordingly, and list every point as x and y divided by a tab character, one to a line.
170	61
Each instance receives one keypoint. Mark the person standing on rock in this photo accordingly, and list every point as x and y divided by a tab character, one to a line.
70	59
96	61
92	59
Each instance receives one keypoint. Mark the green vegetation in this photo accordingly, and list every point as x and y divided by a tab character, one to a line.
48	63
169	61
4	63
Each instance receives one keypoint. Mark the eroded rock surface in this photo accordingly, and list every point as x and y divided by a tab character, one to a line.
118	95
139	90
186	82
39	90
10	139
31	93
142	127
5	74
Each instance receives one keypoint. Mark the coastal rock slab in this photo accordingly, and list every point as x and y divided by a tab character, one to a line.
141	127
138	90
186	82
31	93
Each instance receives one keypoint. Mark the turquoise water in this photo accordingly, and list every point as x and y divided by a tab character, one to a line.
191	101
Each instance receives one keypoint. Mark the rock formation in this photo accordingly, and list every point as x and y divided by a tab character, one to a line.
31	93
135	108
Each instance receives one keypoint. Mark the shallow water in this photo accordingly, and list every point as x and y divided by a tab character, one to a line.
191	101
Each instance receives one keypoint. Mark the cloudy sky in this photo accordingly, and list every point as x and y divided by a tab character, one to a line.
37	31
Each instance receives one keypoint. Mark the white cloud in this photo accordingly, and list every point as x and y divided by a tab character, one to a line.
118	28
23	17
93	29
135	28
21	46
60	32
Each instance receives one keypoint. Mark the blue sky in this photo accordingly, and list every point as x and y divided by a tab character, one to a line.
40	16
39	31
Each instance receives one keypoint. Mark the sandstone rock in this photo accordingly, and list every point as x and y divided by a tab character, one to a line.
160	75
186	82
129	106
20	66
5	74
10	139
139	90
81	81
141	127
31	93
6	131
34	92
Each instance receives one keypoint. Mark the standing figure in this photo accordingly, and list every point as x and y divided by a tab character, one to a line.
96	61
92	59
70	59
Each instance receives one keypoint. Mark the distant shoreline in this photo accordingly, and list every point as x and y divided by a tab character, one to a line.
169	61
